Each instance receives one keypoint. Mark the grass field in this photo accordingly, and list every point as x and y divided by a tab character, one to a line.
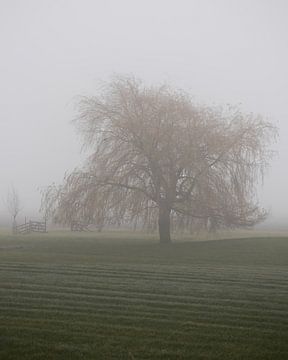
107	297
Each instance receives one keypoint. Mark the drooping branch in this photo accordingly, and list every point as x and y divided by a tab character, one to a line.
154	149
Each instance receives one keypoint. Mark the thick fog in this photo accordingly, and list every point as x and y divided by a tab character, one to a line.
52	51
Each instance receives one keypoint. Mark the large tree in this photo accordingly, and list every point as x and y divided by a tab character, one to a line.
155	152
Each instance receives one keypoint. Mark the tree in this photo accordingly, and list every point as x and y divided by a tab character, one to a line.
13	205
154	152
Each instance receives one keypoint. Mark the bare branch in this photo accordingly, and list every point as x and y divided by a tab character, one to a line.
153	149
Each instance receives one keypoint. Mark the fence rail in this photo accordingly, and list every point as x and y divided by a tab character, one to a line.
79	226
31	226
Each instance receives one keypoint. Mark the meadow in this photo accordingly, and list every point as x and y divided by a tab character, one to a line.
106	296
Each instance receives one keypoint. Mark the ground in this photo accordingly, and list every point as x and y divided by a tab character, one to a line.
108	296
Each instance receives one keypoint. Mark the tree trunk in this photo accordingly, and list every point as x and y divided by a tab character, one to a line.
164	225
14	226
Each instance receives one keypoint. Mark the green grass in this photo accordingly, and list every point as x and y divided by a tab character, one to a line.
108	297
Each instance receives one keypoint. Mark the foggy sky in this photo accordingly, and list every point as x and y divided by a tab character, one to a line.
52	51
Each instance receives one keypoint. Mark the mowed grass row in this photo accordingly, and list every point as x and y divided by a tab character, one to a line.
67	297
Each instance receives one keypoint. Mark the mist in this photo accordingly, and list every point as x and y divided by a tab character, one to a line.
219	51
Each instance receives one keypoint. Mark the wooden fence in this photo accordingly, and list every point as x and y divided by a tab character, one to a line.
31	226
79	226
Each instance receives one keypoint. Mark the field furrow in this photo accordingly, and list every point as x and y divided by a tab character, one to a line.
99	306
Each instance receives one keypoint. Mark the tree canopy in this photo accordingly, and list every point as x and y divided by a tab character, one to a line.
155	154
